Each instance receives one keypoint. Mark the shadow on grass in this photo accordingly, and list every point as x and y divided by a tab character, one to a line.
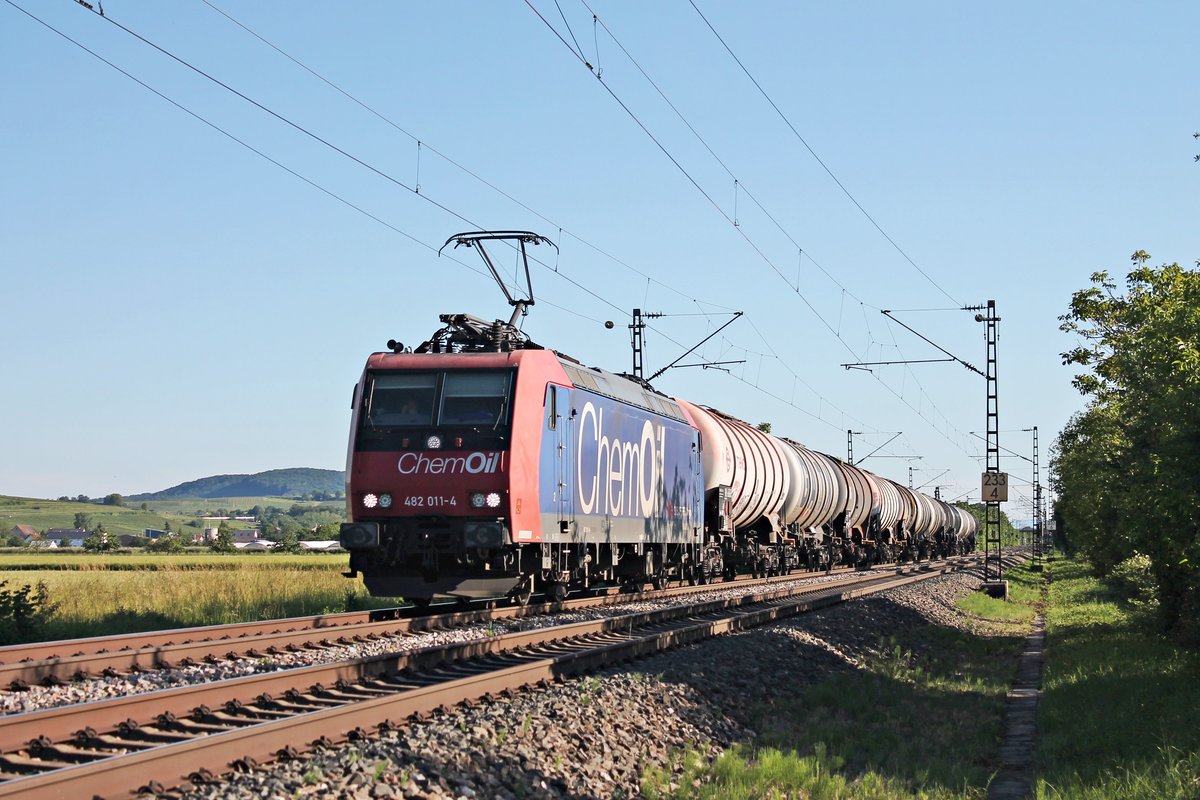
915	704
1115	697
122	620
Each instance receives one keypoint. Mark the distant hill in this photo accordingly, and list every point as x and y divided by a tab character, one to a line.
295	482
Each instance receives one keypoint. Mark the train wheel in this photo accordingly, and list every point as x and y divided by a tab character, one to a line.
659	581
420	602
557	592
730	573
521	594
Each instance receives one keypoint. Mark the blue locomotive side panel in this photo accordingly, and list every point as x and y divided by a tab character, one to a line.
614	472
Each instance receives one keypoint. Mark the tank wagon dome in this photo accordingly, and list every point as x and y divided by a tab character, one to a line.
739	455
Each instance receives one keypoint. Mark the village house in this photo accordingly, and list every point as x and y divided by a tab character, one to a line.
65	537
28	533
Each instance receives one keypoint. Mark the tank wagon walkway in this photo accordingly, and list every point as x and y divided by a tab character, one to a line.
1015	781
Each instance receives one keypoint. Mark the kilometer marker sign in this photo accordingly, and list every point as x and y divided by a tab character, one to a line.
994	487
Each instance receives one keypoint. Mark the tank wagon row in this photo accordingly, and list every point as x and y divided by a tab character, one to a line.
483	465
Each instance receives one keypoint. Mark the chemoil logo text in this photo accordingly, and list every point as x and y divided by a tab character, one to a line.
623	478
477	463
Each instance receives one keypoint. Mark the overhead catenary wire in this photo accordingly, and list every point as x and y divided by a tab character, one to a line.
813	153
321	140
435	151
738	184
740	230
442	206
273	161
577	51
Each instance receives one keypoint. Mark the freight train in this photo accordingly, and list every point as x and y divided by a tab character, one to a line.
481	464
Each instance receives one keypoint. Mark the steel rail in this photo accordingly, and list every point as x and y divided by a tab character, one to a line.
342	713
61	723
162	650
60	648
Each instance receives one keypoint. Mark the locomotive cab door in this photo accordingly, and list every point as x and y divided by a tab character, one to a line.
559	423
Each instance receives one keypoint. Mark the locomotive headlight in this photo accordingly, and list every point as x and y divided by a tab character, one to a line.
385	500
434	442
370	500
493	500
478	500
359	535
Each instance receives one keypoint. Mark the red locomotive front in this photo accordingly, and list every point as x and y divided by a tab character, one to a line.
438	487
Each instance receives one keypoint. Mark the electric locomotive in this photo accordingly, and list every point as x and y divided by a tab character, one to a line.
481	464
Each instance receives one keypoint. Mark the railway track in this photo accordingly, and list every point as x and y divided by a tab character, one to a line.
188	735
51	663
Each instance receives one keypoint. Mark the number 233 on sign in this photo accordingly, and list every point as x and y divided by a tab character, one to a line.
994	487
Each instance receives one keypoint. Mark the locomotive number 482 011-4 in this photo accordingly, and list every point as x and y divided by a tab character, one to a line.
430	501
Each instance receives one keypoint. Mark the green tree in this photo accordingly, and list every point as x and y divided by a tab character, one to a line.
224	541
114	499
83	520
99	541
1125	468
288	543
327	531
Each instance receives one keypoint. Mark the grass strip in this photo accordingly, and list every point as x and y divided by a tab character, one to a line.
1120	712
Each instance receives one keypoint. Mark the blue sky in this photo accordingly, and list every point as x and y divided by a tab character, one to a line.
176	305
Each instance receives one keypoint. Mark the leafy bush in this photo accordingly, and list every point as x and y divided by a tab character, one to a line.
171	543
1134	577
23	612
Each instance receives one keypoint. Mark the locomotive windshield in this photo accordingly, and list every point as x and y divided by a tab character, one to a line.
474	398
401	399
470	398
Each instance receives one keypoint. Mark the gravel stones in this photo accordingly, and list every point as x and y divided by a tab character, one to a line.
92	690
593	737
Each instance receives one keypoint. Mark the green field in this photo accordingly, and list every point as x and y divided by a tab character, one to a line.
30	560
93	595
45	514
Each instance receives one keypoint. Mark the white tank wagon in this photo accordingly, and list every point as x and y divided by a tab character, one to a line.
817	491
932	516
748	462
960	532
815	499
772	504
892	507
852	527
